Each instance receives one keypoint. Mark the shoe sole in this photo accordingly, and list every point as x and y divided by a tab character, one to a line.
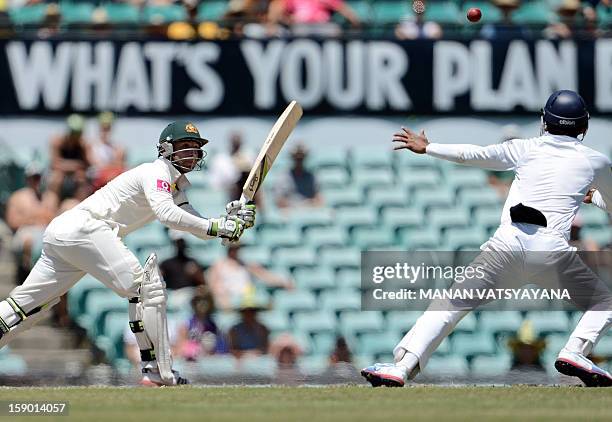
589	378
378	380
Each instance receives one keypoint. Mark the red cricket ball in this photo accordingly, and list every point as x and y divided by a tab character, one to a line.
474	14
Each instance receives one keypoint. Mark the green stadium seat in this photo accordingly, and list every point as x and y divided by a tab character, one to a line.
275	320
122	13
602	236
258	254
340	300
359	322
483	196
373	178
420	239
401	321
464	238
416	162
333	177
356	216
473	344
287	236
328	157
467	324
548	321
604	14
443	218
387	12
295	257
315	322
212	10
78	293
317	278
362	9
313	365
446	366
496	322
487	217
111	339
377	158
604	347
385	197
317	237
340	257
489	366
443	12
367	238
347	196
218	366
462	177
28	15
323	343
76	12
13	365
294	301
164	14
310	217
378	343
348	278
208	256
226	320
416	177
442	197
97	304
593	217
534	13
403	217
151	235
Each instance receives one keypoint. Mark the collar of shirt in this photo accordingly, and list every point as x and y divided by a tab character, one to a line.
177	178
563	138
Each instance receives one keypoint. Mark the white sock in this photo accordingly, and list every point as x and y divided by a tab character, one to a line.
407	360
7	314
579	345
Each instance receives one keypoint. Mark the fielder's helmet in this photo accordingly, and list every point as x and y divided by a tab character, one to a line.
566	109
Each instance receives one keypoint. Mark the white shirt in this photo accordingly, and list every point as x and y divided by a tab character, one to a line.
553	173
145	193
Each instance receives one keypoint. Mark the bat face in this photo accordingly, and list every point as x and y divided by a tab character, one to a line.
274	142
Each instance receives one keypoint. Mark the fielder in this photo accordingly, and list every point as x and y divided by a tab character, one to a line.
88	239
554	173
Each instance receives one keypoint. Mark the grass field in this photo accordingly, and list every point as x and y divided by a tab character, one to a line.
343	403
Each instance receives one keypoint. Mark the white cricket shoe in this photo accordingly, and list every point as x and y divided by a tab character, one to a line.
576	365
387	374
151	378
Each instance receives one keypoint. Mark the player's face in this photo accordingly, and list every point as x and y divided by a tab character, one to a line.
188	154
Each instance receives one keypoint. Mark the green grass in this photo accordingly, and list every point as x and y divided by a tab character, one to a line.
346	403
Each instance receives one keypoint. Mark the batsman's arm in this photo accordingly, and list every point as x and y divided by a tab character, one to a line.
602	197
504	156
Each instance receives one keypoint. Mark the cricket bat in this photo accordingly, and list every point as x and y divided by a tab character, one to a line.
270	149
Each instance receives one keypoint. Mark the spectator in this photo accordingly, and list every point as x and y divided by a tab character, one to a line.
568	13
576	239
249	337
108	158
299	186
50	26
311	17
228	170
230	279
286	352
341	359
181	270
28	212
200	335
71	158
249	18
185	30
506	29
589	10
414	27
526	350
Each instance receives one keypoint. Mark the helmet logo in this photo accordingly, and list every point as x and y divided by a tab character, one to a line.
567	122
191	128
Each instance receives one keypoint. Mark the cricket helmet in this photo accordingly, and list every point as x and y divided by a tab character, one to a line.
181	131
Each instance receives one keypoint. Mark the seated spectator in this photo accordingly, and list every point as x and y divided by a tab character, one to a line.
227	169
71	158
248	18
50	26
230	279
249	337
28	212
185	30
199	336
414	27
589	10
568	13
526	349
108	158
506	29
299	186
181	270
286	352
341	359
311	17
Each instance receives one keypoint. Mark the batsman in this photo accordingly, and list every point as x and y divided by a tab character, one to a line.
88	239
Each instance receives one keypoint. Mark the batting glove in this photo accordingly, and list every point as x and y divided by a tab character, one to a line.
246	212
226	227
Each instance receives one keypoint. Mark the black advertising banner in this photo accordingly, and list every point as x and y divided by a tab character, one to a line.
250	77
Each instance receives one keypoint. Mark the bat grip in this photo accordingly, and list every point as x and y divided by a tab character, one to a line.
244	200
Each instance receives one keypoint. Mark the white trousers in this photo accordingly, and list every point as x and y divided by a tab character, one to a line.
75	244
523	264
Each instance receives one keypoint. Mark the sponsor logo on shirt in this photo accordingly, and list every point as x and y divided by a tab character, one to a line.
163	186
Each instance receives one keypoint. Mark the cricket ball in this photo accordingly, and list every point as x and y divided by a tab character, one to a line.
474	14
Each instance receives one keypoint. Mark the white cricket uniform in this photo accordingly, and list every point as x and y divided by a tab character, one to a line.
552	174
88	238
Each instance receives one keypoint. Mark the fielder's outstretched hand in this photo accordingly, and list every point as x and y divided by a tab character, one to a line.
410	140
